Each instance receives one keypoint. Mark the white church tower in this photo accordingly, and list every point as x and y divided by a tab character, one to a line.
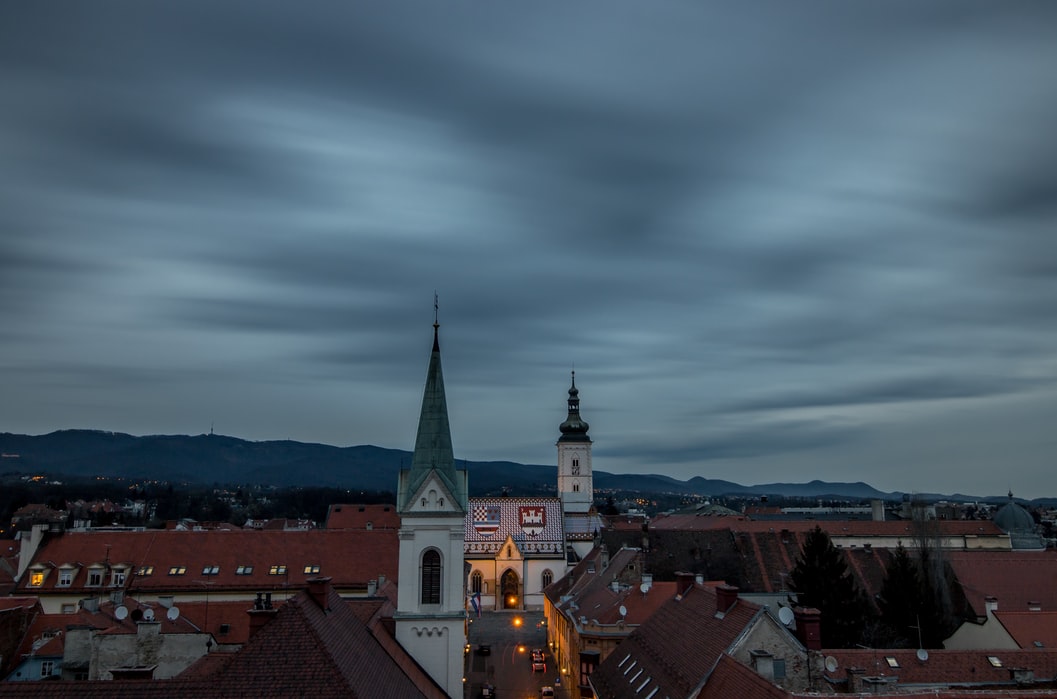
432	503
575	482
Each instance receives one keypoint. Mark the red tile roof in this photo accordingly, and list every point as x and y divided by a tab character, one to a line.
944	666
655	656
346	516
732	679
351	558
1030	629
305	651
1014	578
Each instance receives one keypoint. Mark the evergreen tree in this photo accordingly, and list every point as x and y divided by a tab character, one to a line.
900	600
821	580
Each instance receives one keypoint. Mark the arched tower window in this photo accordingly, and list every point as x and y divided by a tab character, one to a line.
476	581
431	577
576	487
548	578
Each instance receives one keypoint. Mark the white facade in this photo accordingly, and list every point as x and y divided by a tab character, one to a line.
431	615
575	482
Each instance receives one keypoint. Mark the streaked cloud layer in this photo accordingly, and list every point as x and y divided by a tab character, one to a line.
777	242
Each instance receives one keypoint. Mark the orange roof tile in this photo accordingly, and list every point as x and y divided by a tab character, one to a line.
350	558
1030	629
1014	578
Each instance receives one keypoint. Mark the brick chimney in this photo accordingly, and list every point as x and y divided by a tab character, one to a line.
319	590
726	596
261	613
809	627
683	582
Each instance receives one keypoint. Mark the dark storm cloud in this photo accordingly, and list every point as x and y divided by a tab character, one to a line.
768	234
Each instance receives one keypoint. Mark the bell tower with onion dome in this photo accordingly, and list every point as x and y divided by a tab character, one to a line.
575	482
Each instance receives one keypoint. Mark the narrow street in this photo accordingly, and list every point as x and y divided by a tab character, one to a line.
511	636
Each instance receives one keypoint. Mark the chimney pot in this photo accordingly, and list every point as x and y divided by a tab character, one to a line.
319	590
683	582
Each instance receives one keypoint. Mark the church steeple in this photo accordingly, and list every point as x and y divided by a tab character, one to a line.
433	449
574	429
575	478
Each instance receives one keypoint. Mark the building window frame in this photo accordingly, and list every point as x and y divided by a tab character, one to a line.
432	575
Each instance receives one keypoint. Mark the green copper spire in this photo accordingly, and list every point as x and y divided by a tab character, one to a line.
433	450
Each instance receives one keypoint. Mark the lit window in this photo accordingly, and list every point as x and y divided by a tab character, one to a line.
243	570
145	570
177	570
47	667
211	570
431	577
277	570
36	578
311	569
892	661
95	577
994	660
65	578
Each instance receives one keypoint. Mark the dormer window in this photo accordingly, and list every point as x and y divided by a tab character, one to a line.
95	577
65	577
117	577
211	570
36	578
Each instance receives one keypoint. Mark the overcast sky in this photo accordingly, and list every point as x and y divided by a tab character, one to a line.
776	242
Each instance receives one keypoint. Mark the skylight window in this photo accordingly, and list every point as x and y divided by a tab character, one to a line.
892	661
243	570
211	570
277	570
311	569
177	570
994	660
145	570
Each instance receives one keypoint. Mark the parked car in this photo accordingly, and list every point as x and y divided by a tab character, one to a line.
547	692
539	665
537	654
484	649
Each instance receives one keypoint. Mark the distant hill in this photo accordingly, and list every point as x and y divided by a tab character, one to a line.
220	459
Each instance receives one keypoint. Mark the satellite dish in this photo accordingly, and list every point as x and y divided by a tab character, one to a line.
644	588
785	615
148	614
173	614
831	664
623	611
923	654
121	612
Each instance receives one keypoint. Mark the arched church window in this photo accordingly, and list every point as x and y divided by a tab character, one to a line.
548	578
576	487
476	581
431	577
